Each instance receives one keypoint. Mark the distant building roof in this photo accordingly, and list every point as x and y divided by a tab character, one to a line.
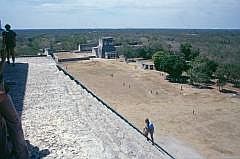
107	37
147	62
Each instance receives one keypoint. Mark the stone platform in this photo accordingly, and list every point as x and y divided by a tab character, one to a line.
62	120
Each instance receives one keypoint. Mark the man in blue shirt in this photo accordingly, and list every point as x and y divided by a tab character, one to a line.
149	129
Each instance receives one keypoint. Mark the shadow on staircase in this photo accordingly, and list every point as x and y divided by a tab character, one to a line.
16	78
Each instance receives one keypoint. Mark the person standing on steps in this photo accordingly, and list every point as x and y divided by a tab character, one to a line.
149	129
9	43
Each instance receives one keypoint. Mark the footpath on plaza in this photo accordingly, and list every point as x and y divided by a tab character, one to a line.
62	120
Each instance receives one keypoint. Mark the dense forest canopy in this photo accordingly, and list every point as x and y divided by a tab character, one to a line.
221	46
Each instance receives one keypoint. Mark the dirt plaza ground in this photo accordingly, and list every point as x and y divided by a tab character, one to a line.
204	119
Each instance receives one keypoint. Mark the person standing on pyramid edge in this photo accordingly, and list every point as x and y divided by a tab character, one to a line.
9	43
149	129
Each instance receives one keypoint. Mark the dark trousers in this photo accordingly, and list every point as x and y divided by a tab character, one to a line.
10	52
146	131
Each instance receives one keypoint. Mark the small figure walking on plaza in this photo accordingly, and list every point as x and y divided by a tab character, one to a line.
149	129
9	43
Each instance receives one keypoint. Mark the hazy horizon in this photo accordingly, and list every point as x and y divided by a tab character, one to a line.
121	14
126	28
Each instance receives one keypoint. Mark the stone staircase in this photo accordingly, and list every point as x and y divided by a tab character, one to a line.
62	120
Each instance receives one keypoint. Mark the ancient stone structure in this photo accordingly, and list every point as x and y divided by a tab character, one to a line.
106	48
62	120
85	47
147	65
95	50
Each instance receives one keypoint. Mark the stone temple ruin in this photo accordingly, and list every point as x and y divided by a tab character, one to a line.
85	47
104	49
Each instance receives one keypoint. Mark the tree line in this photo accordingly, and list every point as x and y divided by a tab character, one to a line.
188	66
219	45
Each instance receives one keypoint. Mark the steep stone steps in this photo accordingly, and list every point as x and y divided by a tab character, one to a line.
62	117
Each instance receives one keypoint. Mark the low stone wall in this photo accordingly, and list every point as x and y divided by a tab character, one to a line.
73	59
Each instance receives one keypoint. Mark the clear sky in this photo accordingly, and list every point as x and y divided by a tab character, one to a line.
71	14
